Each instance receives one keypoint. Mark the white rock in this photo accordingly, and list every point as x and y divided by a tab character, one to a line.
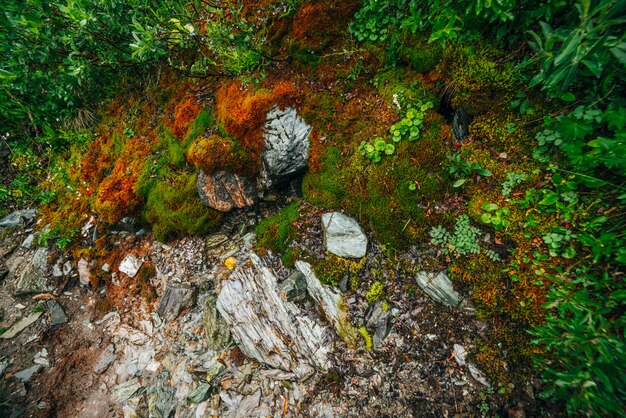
130	265
343	235
439	287
459	354
83	272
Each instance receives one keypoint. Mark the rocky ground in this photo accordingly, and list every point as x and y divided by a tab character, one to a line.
229	333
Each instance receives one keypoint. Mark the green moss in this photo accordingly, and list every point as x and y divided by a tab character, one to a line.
375	293
332	269
422	56
275	233
346	331
328	187
367	337
403	82
290	256
175	152
198	126
173	208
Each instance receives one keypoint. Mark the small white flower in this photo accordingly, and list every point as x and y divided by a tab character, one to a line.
396	102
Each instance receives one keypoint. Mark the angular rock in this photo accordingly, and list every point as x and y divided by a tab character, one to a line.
26	374
18	218
31	274
439	287
125	391
84	274
378	322
176	298
293	288
266	327
199	394
29	241
286	140
215	328
162	401
130	265
343	235
57	315
459	354
21	325
104	361
225	191
460	124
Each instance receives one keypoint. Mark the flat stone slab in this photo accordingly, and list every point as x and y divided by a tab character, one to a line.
130	265
439	287
21	325
57	314
343	236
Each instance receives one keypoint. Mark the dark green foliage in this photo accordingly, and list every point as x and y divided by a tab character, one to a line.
173	208
276	232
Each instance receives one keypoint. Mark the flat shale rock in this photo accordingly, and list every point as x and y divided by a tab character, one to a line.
176	298
225	191
30	272
266	327
343	235
439	287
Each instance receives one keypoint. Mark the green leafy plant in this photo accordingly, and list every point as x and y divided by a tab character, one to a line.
462	241
512	180
464	169
495	216
557	239
375	150
410	125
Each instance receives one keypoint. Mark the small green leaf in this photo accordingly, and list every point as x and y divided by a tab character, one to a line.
459	182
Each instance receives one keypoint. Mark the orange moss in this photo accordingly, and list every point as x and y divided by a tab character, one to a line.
216	153
184	113
316	24
242	111
98	160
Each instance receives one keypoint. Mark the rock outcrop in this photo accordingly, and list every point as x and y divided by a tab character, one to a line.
29	271
176	298
18	218
266	327
286	140
225	191
343	235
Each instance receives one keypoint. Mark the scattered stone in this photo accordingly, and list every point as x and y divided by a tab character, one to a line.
459	354
293	288
104	361
343	235
106	267
67	268
31	274
83	272
199	394
478	375
130	265
21	325
266	327
286	140
41	358
460	124
225	191
25	375
162	400
29	241
125	391
439	287
18	218
57	315
215	328
176	298
378	322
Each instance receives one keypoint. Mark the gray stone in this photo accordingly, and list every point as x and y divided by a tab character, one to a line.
225	191
286	140
478	375
460	124
378	322
26	374
266	327
162	401
293	288
125	391
439	287
199	394
130	265
84	274
459	354
176	298
215	328
31	274
18	218
57	315
21	325
343	235
104	361
29	241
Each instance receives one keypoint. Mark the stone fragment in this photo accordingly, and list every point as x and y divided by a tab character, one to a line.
84	274
199	394
130	265
162	400
176	298
29	241
18	218
215	328
225	191
21	325
460	124
378	322
293	288
57	315
478	375
104	361
286	140
26	374
459	354
125	391
343	235
267	328
439	287
30	273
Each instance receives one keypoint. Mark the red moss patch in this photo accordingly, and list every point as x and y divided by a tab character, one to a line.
216	153
184	113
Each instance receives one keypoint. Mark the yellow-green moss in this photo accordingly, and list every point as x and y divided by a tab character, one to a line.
198	127
332	269
367	337
421	55
375	292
